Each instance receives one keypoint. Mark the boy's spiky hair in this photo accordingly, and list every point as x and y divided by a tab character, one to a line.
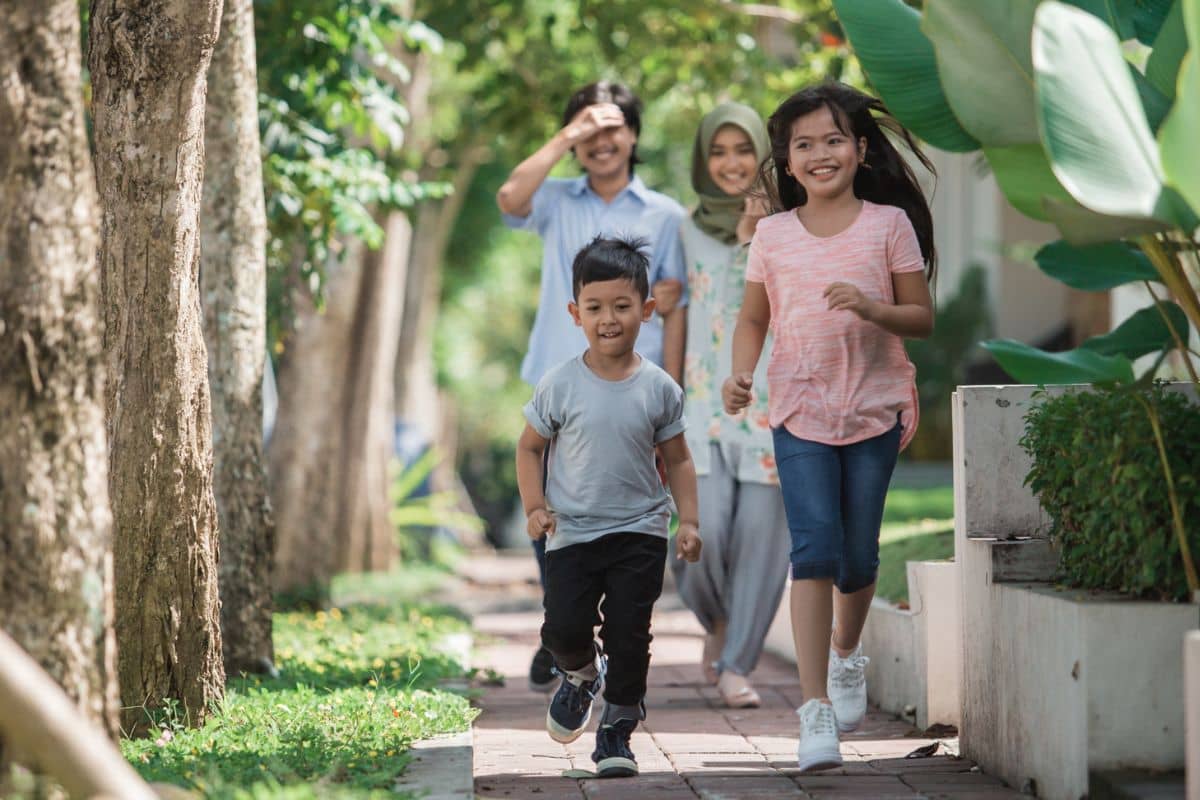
612	258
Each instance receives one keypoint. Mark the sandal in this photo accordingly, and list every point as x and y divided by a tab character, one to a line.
713	644
736	691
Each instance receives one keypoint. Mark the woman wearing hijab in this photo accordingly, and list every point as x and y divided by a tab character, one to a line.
735	587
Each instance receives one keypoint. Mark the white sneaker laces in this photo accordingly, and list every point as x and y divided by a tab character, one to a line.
819	721
849	672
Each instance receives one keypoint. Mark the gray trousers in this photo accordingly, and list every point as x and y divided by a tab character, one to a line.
743	564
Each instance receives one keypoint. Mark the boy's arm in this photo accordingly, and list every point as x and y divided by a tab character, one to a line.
681	476
516	195
531	448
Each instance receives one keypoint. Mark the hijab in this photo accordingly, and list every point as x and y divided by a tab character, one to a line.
718	213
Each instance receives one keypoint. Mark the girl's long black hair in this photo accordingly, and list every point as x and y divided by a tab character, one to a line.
886	179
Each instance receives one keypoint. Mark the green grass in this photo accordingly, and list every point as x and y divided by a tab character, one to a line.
358	684
918	525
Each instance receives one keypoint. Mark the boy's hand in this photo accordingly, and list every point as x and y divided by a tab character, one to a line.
735	392
666	294
539	523
687	542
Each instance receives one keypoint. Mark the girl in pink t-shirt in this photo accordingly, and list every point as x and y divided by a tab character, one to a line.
840	277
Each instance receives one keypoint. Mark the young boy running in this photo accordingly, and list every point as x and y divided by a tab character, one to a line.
600	128
603	510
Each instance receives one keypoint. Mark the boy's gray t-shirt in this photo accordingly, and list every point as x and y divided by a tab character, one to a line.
601	475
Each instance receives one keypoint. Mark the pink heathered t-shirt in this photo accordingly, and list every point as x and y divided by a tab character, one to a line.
834	378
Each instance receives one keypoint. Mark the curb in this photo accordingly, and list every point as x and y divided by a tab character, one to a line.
441	768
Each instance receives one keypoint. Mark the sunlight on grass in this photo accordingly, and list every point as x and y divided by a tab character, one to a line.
358	684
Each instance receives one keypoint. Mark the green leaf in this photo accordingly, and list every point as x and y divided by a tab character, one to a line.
1154	102
1149	17
1030	365
1143	333
1025	177
1095	268
1095	131
1177	137
1081	226
899	61
1116	14
983	58
1162	68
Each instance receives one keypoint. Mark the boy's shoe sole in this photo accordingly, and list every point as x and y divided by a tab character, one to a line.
616	767
817	761
565	735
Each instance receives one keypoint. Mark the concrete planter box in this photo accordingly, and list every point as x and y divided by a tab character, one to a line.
1055	684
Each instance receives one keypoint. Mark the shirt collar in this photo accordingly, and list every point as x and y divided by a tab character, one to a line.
635	187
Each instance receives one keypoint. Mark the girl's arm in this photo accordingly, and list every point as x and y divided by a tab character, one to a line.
516	195
681	476
754	319
531	448
910	317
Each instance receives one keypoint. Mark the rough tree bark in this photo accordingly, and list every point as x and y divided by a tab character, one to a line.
149	60
363	528
233	273
302	479
56	574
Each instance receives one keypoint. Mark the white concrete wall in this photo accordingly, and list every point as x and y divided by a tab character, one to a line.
1191	657
893	681
937	640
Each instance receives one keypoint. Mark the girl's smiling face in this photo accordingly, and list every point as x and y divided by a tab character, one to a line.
731	160
822	158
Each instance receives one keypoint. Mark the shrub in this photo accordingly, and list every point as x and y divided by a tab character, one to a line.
1098	474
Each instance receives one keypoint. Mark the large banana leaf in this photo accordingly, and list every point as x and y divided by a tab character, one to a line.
1156	104
1097	267
1143	333
1030	365
1081	226
1117	14
899	61
1162	68
1178	136
1025	177
1149	17
983	59
1095	132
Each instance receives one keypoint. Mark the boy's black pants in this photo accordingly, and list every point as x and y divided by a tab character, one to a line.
626	570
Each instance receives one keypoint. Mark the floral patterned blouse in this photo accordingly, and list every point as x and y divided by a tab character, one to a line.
716	279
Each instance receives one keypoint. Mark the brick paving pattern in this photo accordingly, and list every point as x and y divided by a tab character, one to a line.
691	745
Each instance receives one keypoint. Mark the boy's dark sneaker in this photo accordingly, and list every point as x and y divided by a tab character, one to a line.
571	707
542	676
613	757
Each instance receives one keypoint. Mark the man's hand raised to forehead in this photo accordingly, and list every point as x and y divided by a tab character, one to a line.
593	119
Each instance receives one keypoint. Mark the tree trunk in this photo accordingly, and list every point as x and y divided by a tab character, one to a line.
56	584
149	60
233	274
363	528
302	481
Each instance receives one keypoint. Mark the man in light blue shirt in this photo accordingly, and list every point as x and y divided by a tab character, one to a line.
601	124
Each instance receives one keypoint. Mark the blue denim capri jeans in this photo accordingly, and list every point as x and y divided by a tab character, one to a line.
833	496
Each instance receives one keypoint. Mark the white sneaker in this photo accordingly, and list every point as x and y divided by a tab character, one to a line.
847	688
818	737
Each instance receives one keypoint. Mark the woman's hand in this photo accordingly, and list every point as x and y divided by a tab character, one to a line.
848	297
754	209
666	294
735	392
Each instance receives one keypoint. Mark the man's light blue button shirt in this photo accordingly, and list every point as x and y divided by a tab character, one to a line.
567	214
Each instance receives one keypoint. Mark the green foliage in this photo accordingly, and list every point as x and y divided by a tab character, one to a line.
358	685
918	525
418	518
941	361
333	125
1102	485
1095	268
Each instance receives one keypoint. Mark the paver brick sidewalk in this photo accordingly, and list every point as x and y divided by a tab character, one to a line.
690	746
